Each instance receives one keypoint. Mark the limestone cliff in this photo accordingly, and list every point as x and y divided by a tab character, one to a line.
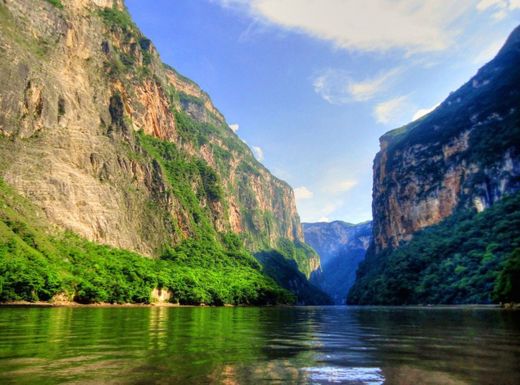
116	146
463	154
447	198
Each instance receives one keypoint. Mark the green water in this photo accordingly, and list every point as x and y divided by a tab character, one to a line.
315	345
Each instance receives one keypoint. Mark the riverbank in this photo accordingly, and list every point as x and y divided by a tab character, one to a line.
508	306
102	304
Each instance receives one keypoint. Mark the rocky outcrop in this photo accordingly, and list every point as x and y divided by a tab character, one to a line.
463	154
81	90
342	247
446	193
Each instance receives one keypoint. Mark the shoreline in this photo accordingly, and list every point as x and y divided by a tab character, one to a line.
71	304
99	305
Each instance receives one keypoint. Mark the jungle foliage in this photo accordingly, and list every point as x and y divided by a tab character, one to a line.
469	257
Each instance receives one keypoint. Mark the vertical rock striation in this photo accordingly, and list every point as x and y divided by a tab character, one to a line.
445	198
463	154
86	110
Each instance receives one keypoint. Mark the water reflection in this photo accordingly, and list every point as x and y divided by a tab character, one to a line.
328	375
334	345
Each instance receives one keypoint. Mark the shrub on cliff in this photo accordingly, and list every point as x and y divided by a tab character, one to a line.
507	288
464	259
214	269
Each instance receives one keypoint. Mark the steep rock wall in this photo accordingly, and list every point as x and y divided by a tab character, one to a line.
80	87
463	154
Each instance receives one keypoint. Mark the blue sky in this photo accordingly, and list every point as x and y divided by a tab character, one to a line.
311	85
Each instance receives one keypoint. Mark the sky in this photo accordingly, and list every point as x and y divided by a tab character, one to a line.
311	85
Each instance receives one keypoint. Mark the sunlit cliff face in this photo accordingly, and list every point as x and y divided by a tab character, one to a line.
78	84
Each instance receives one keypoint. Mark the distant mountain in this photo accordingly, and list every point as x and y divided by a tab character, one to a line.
437	173
341	246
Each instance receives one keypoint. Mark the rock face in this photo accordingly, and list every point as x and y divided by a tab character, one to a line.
446	197
464	154
86	107
341	246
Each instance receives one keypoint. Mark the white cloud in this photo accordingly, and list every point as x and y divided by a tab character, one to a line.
499	15
338	87
317	210
485	4
489	52
341	186
424	111
386	112
302	193
330	207
258	153
368	88
331	85
376	25
234	127
500	8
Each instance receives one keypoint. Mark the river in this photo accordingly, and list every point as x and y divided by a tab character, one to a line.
290	345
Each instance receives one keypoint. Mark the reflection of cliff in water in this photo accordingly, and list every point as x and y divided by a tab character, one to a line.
441	345
249	346
309	346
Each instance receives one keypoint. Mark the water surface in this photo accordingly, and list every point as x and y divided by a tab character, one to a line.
313	345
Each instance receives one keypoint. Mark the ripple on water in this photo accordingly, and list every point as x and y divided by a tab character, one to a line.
348	376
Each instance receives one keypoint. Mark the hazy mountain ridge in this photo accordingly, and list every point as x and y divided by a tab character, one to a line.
341	246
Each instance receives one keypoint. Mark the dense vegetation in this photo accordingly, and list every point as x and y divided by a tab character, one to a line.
507	288
183	174
285	272
56	3
115	18
36	265
468	258
192	181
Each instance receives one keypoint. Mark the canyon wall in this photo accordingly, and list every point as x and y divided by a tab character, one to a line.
463	154
118	147
446	198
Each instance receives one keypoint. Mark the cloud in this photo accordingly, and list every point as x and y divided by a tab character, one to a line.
234	127
500	8
424	111
499	15
331	85
258	153
488	52
338	87
330	207
367	89
317	209
376	25
341	186
386	112
302	193
485	4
